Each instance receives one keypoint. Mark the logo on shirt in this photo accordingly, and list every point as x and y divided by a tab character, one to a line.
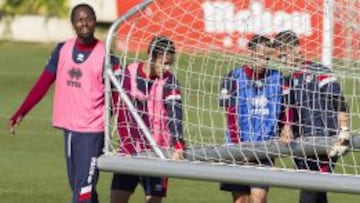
296	82
257	84
224	94
75	74
80	57
309	78
259	106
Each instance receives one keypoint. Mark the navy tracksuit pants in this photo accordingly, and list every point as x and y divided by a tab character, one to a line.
81	151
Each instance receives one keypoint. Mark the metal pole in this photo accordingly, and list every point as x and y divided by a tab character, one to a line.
109	75
232	174
328	33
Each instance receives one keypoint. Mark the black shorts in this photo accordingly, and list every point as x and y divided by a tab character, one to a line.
241	188
316	163
153	186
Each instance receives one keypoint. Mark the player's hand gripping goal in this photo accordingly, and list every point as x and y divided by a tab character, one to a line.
341	147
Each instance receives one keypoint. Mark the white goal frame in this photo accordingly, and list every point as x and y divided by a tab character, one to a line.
194	168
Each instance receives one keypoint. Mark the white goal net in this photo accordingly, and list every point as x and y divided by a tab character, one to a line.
211	40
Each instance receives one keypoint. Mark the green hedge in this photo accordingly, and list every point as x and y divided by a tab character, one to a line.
53	8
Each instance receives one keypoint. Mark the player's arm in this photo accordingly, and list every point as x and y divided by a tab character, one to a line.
173	105
343	114
343	138
329	86
38	91
227	99
287	112
341	105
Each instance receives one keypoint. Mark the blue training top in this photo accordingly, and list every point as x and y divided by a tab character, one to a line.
258	103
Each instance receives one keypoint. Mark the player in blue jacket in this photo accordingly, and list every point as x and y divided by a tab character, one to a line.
252	96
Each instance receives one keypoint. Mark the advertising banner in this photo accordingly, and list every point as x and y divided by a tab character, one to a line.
227	25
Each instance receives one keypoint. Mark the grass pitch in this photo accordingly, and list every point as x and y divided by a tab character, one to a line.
32	165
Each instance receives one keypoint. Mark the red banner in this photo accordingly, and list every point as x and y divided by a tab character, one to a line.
227	25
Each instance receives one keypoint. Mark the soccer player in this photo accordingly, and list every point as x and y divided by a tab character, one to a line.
252	97
76	68
319	107
157	97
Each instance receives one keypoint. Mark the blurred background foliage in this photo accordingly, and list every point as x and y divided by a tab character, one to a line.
48	8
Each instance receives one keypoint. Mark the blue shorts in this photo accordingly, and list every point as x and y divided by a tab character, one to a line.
153	186
246	188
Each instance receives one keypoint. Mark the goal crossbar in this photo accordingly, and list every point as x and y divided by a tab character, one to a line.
242	152
230	173
195	168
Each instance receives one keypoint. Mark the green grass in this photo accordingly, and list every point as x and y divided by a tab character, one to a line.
32	165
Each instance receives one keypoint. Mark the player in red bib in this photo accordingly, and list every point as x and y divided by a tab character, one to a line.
156	94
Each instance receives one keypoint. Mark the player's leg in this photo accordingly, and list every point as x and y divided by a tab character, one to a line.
155	188
305	195
321	164
325	165
153	199
86	148
239	193
122	187
240	197
69	160
258	194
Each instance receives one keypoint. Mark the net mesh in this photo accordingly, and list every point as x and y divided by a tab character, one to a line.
210	39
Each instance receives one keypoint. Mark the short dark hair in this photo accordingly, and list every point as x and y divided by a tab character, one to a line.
161	45
258	39
72	15
287	37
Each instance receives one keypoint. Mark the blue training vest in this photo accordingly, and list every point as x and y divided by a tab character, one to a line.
258	105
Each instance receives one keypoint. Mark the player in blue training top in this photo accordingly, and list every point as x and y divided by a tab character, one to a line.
319	107
252	96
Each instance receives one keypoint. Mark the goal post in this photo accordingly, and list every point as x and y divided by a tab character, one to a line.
230	174
328	33
209	38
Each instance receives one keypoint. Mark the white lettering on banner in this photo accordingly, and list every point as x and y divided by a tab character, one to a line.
221	17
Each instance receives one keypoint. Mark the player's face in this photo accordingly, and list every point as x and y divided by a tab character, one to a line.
84	23
260	57
289	56
162	64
